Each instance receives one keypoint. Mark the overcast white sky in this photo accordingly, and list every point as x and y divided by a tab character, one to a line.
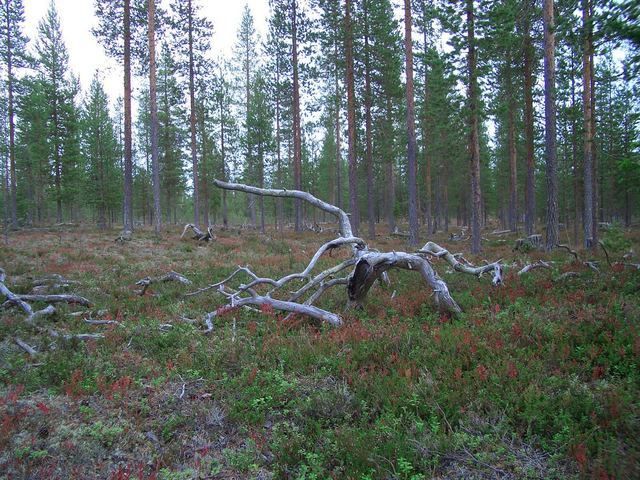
86	55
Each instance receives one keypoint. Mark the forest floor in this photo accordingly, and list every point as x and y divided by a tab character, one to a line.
538	378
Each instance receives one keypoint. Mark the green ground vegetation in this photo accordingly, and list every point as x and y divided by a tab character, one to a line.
537	378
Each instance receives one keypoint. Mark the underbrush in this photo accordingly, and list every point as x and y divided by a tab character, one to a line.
536	379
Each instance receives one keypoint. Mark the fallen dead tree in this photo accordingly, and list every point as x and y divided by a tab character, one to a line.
33	316
13	299
199	235
358	272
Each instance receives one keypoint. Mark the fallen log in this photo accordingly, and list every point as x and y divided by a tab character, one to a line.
70	299
199	235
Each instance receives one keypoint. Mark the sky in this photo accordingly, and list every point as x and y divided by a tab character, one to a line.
86	54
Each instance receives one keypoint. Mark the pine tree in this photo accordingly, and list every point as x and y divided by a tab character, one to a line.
153	106
368	100
100	148
387	61
590	195
4	162
227	131
53	67
411	129
192	33
33	148
171	133
278	63
121	32
13	52
259	136
529	60
297	127
550	125
331	64
474	140
245	59
351	119
142	149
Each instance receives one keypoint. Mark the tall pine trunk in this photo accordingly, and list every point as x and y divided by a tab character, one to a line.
428	219
474	141
203	176
513	152
223	166
411	130
588	133
574	154
530	193
338	131
13	208
368	133
279	203
57	157
594	165
192	121
351	121
153	104
128	159
550	124
390	181
297	134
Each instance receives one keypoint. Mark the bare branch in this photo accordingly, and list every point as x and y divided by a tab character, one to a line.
222	282
308	310
169	277
439	252
45	312
532	266
321	277
71	299
78	336
370	266
11	297
601	243
26	347
565	275
324	286
101	322
568	249
343	218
